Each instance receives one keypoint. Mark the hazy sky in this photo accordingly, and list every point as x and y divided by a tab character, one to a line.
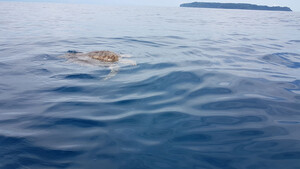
294	4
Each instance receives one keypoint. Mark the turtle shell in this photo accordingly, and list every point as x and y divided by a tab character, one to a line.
104	56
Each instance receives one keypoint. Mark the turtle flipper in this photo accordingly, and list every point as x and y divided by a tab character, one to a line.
114	69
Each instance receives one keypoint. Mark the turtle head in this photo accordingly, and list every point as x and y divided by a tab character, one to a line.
73	51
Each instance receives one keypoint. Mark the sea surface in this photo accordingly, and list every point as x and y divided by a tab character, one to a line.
212	88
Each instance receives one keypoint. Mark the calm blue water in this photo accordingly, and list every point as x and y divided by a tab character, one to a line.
212	89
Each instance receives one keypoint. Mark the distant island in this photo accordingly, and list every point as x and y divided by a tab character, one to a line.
234	6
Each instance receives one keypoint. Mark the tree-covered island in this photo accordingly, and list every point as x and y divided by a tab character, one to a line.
234	6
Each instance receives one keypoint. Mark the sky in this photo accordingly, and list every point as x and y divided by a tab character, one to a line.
293	4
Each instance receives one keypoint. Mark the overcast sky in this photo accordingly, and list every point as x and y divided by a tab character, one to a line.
294	4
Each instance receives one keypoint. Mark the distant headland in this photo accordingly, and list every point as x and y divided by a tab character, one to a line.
234	6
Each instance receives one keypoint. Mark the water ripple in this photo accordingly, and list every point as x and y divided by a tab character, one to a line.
211	88
284	59
26	153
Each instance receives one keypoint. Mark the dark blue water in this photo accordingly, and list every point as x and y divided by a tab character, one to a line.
212	89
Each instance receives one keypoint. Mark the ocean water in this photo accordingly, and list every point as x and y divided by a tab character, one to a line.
212	88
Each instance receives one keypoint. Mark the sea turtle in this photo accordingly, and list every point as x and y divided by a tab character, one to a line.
99	58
